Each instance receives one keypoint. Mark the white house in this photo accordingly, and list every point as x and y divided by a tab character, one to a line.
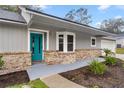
33	36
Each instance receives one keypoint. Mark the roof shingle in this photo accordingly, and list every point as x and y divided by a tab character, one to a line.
11	16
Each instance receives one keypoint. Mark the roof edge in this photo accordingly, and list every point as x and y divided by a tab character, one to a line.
9	21
69	21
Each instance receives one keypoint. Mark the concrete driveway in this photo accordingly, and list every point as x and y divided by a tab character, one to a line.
121	56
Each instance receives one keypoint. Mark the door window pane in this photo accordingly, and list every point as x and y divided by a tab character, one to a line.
39	45
69	42
33	44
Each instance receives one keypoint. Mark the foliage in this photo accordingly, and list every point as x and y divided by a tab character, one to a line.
115	25
97	68
120	50
13	8
123	65
1	62
80	15
107	52
110	60
34	7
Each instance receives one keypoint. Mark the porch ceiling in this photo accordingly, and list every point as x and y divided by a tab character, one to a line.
53	24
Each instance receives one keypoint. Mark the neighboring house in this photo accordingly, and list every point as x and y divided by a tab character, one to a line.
38	37
120	40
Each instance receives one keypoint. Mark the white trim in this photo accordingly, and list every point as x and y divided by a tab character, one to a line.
47	41
28	40
91	41
38	30
7	21
47	33
57	40
65	40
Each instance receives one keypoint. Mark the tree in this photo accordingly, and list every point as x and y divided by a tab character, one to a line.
13	8
70	15
113	25
80	15
35	7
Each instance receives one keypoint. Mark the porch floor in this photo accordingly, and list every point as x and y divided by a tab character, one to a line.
44	70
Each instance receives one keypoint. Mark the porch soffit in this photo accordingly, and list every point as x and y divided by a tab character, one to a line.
49	24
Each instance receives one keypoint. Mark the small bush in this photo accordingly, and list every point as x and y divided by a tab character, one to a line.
97	68
107	52
1	62
110	60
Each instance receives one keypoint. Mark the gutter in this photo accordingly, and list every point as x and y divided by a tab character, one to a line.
12	21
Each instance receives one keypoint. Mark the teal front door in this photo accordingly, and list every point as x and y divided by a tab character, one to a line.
36	46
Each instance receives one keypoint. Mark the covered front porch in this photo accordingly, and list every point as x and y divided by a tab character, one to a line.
63	42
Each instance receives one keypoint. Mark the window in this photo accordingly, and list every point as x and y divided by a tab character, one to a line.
65	41
61	39
70	42
93	41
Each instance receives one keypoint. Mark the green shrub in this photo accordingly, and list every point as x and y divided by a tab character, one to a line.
110	60
1	62
107	52
97	68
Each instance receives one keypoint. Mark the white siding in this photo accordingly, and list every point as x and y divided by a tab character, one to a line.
13	38
52	40
82	41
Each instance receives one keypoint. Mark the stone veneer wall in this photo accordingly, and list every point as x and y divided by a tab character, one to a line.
87	53
56	57
15	61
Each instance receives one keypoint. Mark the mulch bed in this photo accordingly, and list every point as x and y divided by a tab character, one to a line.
14	78
113	78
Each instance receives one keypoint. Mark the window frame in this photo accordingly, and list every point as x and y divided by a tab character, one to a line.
65	45
91	41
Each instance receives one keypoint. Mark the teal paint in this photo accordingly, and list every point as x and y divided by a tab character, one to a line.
36	46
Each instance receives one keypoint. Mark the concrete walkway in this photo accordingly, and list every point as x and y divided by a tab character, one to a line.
44	70
121	56
57	81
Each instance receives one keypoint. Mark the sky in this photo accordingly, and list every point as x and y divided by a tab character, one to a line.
98	12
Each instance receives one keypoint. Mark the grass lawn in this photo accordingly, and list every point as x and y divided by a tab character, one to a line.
120	50
33	84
